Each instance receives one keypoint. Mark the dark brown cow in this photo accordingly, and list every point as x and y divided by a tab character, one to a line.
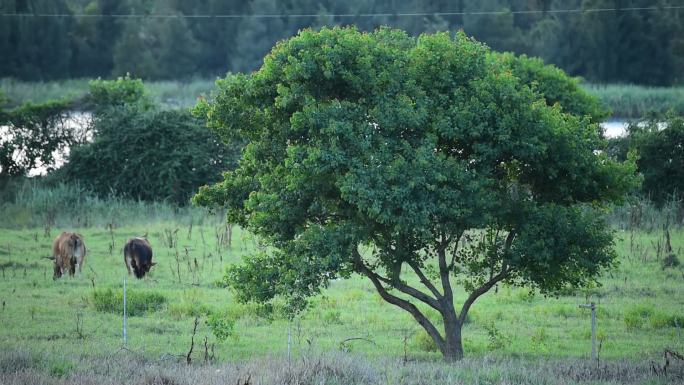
68	252
138	256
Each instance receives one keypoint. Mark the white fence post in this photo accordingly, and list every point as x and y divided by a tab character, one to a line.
592	306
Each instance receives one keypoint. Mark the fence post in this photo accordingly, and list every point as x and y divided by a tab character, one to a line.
124	312
289	340
592	306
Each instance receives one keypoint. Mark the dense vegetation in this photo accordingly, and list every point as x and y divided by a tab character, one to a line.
658	144
33	135
126	145
617	44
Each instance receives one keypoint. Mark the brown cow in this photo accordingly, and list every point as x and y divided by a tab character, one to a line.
138	256
68	252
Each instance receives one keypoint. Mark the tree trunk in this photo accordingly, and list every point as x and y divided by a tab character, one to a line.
453	346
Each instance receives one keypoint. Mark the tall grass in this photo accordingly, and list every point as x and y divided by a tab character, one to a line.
626	101
633	102
32	203
639	213
168	94
132	367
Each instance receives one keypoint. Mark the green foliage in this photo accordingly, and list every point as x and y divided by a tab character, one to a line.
141	152
555	86
61	368
36	202
367	151
137	302
106	94
221	325
656	142
32	135
661	319
497	339
661	157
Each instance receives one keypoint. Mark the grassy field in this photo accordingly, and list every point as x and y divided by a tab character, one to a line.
640	304
626	101
71	329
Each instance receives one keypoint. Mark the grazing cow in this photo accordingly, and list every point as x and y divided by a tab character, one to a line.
138	256
68	252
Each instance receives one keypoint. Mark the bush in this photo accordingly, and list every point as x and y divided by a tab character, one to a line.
137	302
221	325
638	315
423	342
670	260
142	152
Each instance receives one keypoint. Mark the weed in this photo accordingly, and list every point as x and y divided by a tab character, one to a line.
423	342
637	316
137	302
61	368
332	316
221	325
497	340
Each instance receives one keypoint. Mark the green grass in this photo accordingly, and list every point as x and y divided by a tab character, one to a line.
640	304
626	101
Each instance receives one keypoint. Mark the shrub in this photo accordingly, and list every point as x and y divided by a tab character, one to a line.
637	316
670	261
190	305
137	302
142	152
221	325
423	342
661	320
497	340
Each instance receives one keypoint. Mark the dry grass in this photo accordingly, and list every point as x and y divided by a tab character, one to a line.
127	367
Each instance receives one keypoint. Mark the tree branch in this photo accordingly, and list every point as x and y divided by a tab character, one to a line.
453	255
444	274
503	274
425	281
401	303
406	289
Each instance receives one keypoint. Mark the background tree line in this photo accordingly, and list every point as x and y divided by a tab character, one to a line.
630	46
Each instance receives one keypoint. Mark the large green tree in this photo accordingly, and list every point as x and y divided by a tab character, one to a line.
419	163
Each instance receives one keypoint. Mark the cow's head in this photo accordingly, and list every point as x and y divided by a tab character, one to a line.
75	241
141	268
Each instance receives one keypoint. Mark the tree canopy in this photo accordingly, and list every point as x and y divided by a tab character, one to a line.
393	157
